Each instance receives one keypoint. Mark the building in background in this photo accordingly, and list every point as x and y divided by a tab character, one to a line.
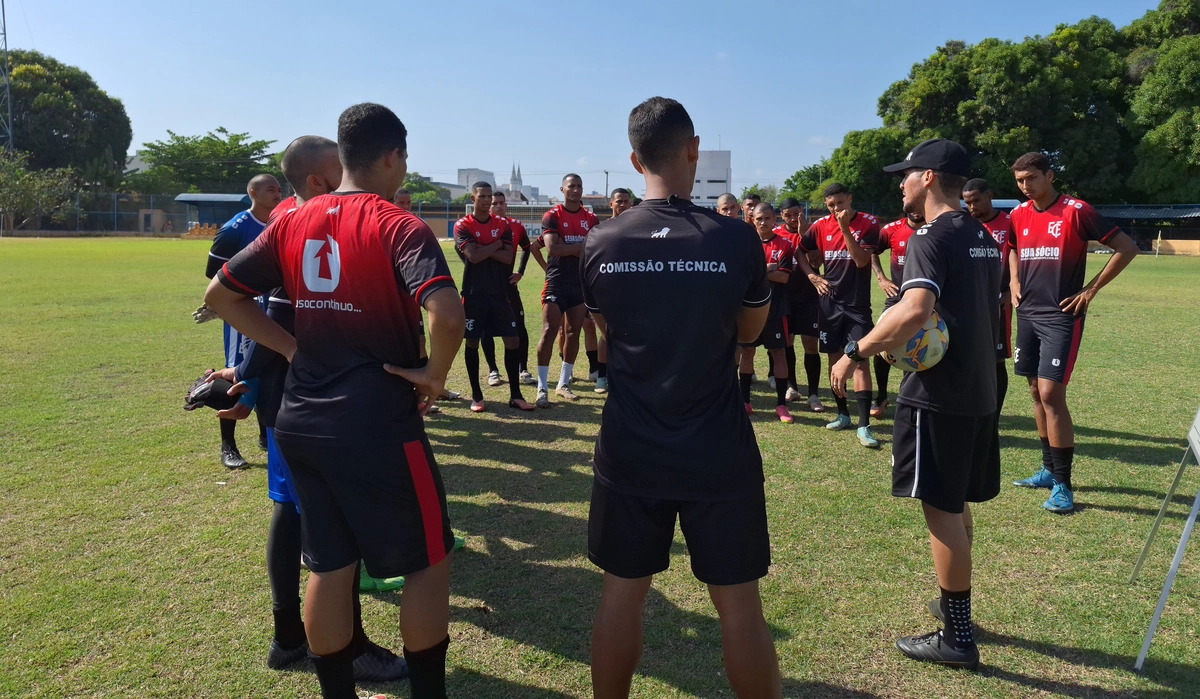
516	187
714	176
471	175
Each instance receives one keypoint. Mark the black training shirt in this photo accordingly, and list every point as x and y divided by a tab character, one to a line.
669	278
956	258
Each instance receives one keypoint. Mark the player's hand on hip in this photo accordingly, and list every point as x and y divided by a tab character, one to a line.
1077	303
203	314
820	283
241	411
838	374
429	387
514	277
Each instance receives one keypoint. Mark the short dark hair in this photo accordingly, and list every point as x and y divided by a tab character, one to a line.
481	185
367	132
569	175
752	196
301	158
788	203
726	195
1032	161
620	190
977	185
658	129
952	185
834	189
498	193
400	191
765	206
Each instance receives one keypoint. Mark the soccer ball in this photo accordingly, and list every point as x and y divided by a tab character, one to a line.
925	349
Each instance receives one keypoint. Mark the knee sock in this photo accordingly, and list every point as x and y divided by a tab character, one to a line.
1001	384
564	376
543	378
790	355
335	672
283	572
781	389
770	364
523	344
863	398
227	431
512	364
471	359
602	369
593	356
745	381
427	671
812	367
956	608
1047	456
843	407
882	368
1062	458
488	345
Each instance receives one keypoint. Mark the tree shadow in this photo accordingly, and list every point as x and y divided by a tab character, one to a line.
1177	499
1025	422
1155	456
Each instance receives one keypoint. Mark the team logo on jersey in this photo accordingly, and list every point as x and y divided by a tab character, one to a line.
1055	229
583	225
322	265
662	233
470	323
903	243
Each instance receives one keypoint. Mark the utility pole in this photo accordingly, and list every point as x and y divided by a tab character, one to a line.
605	179
6	122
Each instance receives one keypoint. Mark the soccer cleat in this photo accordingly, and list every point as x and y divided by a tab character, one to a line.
279	657
433	409
601	385
782	413
749	409
262	442
528	379
771	382
477	406
841	422
543	399
935	608
566	392
792	394
231	458
1061	500
878	408
1042	479
593	376
494	378
867	439
378	664
459	543
520	404
932	648
814	404
447	394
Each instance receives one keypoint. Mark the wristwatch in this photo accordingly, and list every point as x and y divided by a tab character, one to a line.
851	351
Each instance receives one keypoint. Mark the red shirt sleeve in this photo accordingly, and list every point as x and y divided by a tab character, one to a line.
885	238
549	225
462	235
256	269
808	241
1092	225
870	237
420	265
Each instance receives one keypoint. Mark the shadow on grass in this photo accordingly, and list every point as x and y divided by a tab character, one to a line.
1177	499
1174	679
1024	422
1155	456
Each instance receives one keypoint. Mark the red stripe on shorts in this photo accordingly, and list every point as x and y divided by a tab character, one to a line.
427	500
1076	339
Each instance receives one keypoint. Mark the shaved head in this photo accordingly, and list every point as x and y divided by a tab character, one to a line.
261	182
307	155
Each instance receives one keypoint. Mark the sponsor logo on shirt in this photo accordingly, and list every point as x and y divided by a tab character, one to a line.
1044	252
838	255
985	252
322	266
660	233
660	266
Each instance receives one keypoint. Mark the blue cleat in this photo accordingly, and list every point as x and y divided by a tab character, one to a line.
841	422
867	439
1061	500
1041	479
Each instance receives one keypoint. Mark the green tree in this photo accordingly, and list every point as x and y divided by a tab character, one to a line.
61	118
420	186
766	192
217	162
1166	107
858	163
25	192
806	181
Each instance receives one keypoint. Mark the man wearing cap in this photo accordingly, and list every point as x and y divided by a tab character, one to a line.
945	445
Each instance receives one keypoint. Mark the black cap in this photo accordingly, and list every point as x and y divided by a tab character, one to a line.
935	154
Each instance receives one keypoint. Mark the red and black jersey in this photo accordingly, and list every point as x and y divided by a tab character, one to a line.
850	285
283	207
800	289
1000	226
488	276
1052	249
778	250
894	236
562	273
520	239
356	267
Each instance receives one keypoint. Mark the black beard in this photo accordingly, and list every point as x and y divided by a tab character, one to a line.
916	205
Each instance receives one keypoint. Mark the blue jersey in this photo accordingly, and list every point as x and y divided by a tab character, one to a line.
234	236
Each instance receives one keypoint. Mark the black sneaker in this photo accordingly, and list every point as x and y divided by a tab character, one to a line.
935	608
262	442
231	458
279	657
932	648
378	664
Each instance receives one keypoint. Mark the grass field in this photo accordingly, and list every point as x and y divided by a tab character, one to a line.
132	563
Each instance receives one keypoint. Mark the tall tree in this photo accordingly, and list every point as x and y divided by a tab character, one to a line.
806	181
61	118
25	192
217	162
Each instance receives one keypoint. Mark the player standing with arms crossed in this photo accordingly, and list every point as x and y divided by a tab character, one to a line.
674	441
521	238
945	447
1048	262
894	236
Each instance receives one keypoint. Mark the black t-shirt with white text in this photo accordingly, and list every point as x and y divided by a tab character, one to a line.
669	278
957	259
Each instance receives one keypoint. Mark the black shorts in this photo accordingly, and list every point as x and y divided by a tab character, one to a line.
382	502
515	303
1048	347
564	299
945	460
841	324
805	317
630	536
773	336
488	315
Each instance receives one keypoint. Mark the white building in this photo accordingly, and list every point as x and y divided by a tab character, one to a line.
714	176
471	175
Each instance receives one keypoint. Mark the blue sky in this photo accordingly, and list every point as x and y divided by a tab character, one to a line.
547	83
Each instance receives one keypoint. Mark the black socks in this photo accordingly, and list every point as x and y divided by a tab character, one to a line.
1001	384
863	398
335	672
512	365
843	406
746	381
488	345
1061	458
781	389
882	368
523	342
812	368
593	356
283	572
227	431
427	671
1047	459
471	359
956	609
790	353
602	369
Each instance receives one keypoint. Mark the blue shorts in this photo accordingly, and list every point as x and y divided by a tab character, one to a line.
236	343
279	478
